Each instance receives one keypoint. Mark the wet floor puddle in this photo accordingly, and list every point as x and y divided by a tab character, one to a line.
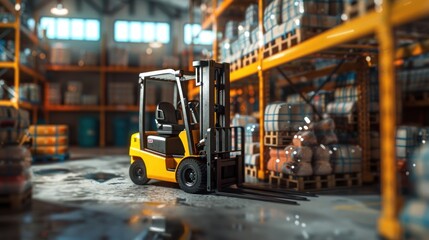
52	171
101	176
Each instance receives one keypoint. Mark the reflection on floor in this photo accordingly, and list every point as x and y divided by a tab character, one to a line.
93	198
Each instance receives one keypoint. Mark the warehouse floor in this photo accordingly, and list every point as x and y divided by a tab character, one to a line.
91	197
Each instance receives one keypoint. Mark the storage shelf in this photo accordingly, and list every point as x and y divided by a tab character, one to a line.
217	12
7	64
107	69
97	108
403	11
32	73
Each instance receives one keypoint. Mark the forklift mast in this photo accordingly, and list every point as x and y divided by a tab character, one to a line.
224	160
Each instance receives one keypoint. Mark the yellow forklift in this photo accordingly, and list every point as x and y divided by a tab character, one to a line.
193	144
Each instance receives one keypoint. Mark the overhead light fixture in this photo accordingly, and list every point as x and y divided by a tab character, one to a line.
59	10
155	44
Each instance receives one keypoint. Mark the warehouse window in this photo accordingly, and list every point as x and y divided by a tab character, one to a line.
204	37
138	32
71	28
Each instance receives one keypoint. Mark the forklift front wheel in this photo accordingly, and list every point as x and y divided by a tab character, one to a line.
138	173
192	176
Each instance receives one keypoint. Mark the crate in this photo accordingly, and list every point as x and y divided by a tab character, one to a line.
278	139
347	179
301	183
16	201
251	170
356	8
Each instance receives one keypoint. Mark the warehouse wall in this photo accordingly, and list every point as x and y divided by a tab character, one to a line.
142	12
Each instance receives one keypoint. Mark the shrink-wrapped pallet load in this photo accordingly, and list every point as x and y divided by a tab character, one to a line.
406	141
242	120
282	116
321	160
276	160
251	148
304	138
346	158
324	131
298	161
252	160
344	112
252	133
49	142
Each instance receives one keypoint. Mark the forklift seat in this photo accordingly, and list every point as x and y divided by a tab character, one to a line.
166	119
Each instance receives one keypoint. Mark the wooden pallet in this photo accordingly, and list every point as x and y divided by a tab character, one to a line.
51	157
356	8
301	183
347	179
16	201
286	41
235	65
278	139
251	170
250	58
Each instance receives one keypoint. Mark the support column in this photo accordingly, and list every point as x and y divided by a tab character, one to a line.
388	224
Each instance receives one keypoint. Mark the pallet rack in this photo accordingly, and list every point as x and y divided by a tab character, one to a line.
21	34
103	70
379	23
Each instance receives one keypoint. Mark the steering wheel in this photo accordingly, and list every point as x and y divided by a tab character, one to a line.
193	106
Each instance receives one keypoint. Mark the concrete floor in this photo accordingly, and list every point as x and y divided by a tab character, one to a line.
92	197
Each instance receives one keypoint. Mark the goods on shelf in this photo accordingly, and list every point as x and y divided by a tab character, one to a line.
120	93
251	16
252	133
277	159
49	142
14	125
252	148
252	160
118	57
54	93
289	22
283	116
324	130
30	92
343	112
60	55
87	58
346	94
415	83
88	99
231	30
406	141
356	8
251	145
242	120
15	176
346	158
305	138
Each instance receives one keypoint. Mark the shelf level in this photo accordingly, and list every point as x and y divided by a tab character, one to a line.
107	69
87	108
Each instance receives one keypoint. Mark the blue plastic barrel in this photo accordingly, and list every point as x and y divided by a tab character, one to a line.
88	132
120	132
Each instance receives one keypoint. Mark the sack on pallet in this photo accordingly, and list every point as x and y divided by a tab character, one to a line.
282	116
252	133
343	112
252	148
277	159
252	160
252	15
16	163
406	141
321	99
321	160
231	30
346	94
298	161
294	8
346	158
415	219
324	131
419	168
304	138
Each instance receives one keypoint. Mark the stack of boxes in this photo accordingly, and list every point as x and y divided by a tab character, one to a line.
118	57
54	94
49	142
120	93
73	94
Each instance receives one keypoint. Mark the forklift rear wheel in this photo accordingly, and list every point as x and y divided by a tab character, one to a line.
192	176
138	173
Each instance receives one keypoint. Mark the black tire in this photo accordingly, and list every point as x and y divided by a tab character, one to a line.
137	173
192	176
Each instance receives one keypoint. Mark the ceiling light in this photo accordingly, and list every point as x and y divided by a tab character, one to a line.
59	10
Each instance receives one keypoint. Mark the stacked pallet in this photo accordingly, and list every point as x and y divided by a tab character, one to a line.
289	22
252	149
50	142
415	217
15	160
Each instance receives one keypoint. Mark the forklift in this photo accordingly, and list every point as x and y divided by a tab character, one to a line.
193	144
